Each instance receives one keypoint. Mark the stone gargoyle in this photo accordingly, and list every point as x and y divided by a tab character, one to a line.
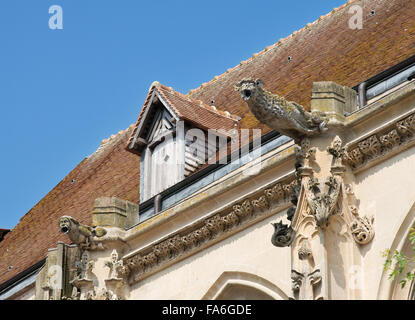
283	235
78	233
286	117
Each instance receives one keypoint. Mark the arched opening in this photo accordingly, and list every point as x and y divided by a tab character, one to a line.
234	285
238	291
388	289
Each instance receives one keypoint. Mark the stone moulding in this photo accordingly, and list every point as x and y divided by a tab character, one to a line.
213	229
393	137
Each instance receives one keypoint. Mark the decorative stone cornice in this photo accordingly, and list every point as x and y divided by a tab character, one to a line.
386	141
222	224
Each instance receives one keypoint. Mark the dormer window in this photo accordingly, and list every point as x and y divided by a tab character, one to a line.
386	82
171	135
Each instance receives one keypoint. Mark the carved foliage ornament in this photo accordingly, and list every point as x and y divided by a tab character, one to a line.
361	227
322	203
365	150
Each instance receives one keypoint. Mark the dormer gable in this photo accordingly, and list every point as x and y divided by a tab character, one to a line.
173	138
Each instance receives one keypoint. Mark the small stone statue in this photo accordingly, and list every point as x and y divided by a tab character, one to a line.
114	264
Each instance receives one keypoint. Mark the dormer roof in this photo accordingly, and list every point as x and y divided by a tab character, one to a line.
181	107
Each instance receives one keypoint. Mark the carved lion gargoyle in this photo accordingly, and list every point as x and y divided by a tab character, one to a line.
78	233
286	117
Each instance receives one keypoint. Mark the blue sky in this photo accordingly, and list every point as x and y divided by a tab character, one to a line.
63	91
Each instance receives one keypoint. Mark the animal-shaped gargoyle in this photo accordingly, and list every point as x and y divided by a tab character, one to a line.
286	117
79	233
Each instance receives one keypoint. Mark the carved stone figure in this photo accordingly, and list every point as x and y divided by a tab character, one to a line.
114	264
337	151
283	235
304	154
83	267
78	233
286	117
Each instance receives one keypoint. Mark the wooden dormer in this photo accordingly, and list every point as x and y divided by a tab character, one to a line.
172	137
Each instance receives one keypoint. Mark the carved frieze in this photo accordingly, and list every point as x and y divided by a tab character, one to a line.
390	139
381	143
186	241
371	146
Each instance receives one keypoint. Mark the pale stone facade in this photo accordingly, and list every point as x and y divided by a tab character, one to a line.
354	200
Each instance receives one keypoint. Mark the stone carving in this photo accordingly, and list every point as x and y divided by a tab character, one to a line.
397	134
83	267
215	224
82	282
361	227
176	245
355	157
304	154
261	203
230	220
103	294
283	235
80	234
390	139
322	204
303	284
286	117
115	266
116	280
243	210
304	252
406	127
337	151
371	146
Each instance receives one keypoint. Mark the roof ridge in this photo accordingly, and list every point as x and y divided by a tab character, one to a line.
272	46
104	141
112	138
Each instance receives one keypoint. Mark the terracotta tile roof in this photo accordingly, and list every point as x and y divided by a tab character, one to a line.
197	112
110	171
325	50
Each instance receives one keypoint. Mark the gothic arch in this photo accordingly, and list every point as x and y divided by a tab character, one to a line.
242	285
387	288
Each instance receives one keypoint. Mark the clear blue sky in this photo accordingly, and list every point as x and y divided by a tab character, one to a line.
63	91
